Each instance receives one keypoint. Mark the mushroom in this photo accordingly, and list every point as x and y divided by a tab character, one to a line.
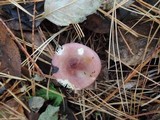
75	66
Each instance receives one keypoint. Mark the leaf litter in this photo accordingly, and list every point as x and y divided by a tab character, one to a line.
124	33
10	61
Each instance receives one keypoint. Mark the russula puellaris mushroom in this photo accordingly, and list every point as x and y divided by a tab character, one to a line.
75	66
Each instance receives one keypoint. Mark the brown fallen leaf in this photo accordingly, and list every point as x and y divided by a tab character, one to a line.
11	109
15	105
131	48
10	61
97	24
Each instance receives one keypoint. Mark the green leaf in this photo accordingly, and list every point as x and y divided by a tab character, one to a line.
51	113
51	96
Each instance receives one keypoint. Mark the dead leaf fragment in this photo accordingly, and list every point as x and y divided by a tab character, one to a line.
11	109
97	24
131	48
10	61
65	12
35	103
51	113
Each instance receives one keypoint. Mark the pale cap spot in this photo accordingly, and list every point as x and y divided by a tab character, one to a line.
80	51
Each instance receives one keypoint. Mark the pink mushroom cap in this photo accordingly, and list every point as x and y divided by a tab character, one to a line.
76	66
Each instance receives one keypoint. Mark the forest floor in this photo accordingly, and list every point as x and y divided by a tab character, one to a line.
126	37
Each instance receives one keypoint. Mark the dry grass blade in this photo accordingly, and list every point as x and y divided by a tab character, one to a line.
157	97
154	9
6	2
109	109
130	76
19	101
119	22
41	86
40	49
129	48
10	76
20	7
136	71
122	91
146	14
78	30
14	114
